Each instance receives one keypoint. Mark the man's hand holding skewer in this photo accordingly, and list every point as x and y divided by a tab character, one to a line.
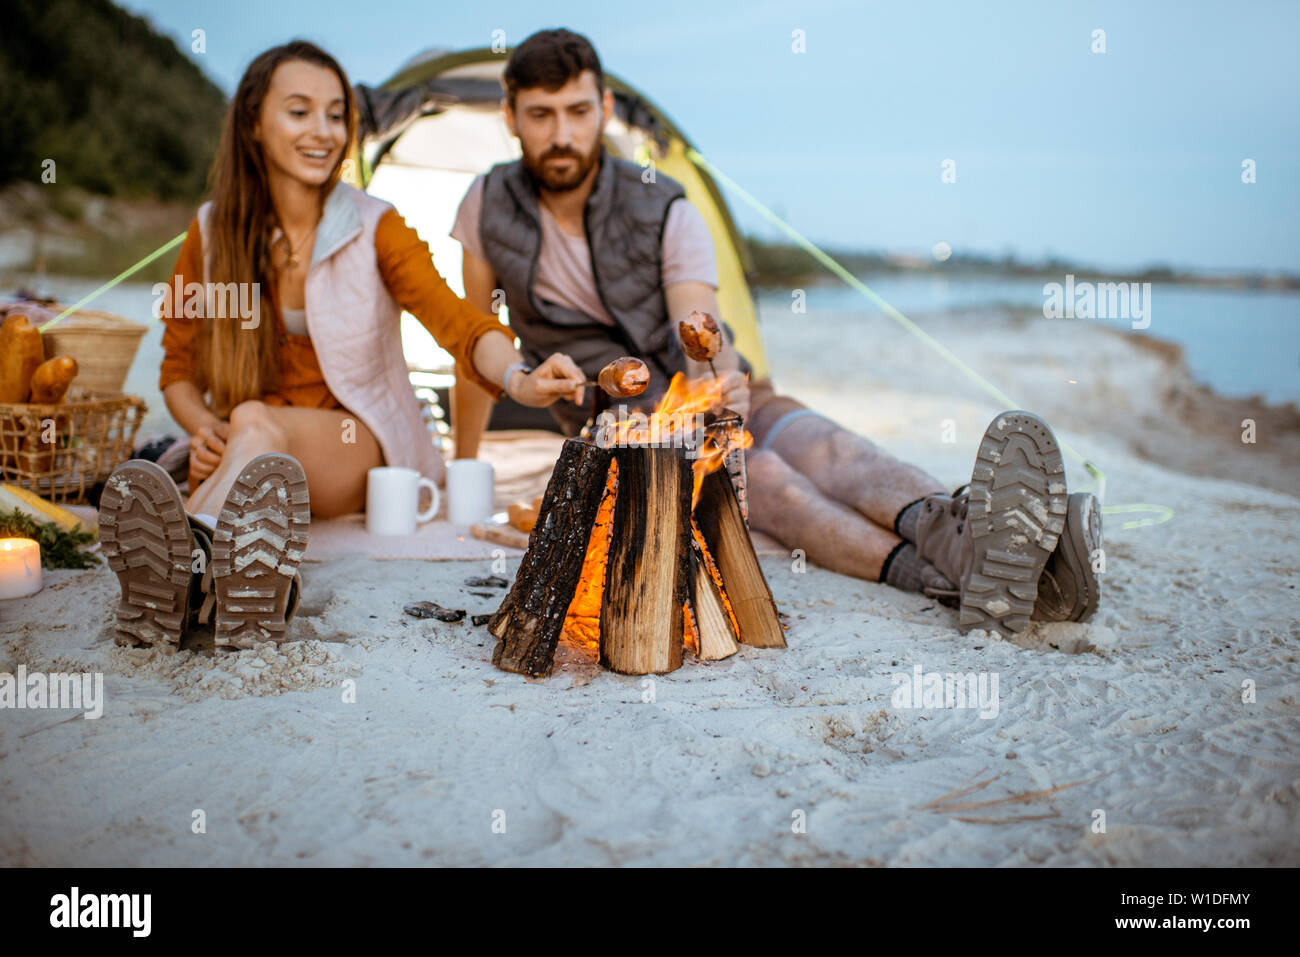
735	392
703	341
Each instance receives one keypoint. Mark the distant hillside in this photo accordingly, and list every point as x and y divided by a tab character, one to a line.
782	265
116	105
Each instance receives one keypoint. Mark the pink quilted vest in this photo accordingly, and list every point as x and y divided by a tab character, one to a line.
355	328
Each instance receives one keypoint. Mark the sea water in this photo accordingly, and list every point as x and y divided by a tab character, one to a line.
1239	342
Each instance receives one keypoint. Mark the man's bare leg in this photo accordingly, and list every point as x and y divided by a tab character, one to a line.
788	506
851	469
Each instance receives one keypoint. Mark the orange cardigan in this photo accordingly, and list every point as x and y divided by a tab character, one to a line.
404	261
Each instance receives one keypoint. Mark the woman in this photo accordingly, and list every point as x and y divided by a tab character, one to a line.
309	388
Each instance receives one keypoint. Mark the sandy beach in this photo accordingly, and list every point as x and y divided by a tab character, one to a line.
794	757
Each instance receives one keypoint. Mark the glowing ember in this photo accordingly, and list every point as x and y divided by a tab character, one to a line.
582	621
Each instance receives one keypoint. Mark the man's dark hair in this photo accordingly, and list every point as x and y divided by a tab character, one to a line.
550	59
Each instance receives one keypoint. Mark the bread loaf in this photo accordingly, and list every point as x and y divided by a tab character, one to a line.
21	351
51	379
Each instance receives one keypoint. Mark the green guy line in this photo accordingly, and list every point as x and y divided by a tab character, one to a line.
853	281
130	271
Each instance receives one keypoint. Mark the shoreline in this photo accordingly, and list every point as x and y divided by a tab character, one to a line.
1245	283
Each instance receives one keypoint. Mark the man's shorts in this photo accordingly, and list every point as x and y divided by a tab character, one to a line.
769	413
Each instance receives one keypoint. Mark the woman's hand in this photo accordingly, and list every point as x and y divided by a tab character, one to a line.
557	378
207	445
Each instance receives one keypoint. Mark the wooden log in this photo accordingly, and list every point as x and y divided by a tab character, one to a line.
647	579
719	519
728	430
715	634
529	621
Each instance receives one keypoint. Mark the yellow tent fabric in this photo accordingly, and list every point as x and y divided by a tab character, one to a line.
734	298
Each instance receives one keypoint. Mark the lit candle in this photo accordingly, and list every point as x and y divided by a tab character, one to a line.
20	567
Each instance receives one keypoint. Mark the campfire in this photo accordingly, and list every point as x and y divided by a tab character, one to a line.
641	550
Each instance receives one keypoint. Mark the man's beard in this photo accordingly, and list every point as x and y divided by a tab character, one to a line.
555	181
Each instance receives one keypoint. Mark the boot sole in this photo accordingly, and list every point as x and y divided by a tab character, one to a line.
145	537
1016	513
257	546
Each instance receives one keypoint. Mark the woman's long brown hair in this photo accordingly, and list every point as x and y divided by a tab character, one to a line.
237	364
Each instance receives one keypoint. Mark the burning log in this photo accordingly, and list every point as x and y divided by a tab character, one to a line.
647	577
723	526
728	431
529	621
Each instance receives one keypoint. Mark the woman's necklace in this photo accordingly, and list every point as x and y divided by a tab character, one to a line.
295	248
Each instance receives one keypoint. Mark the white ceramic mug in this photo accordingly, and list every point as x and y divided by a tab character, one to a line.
470	489
393	500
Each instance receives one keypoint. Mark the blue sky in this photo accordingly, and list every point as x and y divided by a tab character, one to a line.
1128	158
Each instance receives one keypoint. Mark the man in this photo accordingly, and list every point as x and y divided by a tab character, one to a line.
596	263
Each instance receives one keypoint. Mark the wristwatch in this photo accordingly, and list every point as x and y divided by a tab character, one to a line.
510	374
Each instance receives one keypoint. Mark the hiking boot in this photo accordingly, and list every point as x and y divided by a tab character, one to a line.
1069	589
993	538
257	546
152	544
943	537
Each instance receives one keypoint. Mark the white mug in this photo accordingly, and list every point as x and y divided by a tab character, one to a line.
393	500
469	491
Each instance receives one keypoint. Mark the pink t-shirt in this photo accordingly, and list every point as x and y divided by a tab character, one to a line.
564	273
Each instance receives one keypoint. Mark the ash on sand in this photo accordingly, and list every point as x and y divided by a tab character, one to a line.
196	670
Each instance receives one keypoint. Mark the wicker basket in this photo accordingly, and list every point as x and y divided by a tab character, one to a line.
91	434
103	344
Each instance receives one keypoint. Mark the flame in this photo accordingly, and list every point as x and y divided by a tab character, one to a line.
690	635
680	410
713	455
676	412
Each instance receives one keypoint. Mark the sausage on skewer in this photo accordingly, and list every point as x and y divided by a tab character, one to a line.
624	378
701	336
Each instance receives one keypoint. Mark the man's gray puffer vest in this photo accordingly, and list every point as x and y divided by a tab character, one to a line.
625	220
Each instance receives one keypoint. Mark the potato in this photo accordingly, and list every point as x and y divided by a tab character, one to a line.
21	351
51	379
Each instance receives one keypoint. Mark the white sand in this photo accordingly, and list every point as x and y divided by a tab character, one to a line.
1143	705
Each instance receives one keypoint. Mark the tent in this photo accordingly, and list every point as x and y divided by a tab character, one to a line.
426	132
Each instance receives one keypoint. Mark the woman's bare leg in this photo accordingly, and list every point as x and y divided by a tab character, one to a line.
471	410
333	445
851	469
789	507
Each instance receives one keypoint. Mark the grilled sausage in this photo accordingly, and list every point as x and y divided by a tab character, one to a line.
624	378
701	337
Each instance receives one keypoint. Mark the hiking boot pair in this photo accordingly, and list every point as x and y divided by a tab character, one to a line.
175	572
1013	545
